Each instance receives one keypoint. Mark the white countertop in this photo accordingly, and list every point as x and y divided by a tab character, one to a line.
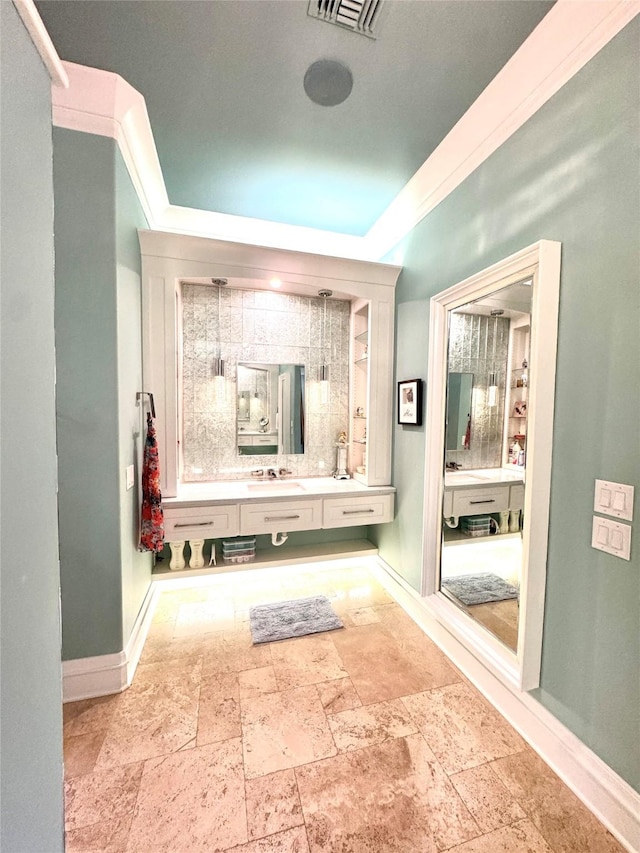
226	491
483	477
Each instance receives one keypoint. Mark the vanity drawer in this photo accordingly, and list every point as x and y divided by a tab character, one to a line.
352	511
280	516
481	500
265	439
200	522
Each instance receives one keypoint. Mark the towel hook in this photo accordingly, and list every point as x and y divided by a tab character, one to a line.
141	394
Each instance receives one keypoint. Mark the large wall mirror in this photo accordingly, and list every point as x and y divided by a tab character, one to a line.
488	459
270	408
481	553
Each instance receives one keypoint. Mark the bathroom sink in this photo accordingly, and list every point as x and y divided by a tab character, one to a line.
276	486
463	475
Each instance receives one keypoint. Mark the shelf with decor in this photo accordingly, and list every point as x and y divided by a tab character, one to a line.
359	390
517	393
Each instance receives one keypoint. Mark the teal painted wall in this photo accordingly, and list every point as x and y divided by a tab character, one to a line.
400	543
571	174
135	566
31	701
98	352
87	394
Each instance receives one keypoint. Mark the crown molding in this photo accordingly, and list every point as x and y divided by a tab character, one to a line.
566	39
42	41
563	42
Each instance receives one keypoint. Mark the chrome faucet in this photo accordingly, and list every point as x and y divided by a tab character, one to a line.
271	474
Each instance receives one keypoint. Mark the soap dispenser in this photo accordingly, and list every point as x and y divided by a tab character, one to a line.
516	451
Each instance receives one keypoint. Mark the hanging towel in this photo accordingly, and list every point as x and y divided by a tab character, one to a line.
152	518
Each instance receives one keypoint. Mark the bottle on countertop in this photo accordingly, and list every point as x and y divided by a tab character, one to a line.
516	450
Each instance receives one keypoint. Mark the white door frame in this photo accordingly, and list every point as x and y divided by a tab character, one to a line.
541	261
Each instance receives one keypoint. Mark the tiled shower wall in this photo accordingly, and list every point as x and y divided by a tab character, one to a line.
479	345
271	328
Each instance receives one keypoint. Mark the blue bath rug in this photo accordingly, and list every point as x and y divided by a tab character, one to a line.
480	589
286	619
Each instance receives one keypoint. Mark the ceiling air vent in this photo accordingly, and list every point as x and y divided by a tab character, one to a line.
360	16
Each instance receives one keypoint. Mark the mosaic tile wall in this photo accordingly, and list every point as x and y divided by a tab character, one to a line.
267	327
479	345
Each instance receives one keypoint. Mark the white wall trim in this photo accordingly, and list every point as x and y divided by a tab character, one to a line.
566	39
85	678
563	42
42	41
613	801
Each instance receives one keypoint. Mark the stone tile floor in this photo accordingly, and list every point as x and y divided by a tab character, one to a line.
361	740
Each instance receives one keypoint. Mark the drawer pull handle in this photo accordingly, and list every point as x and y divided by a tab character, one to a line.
356	511
486	501
195	524
280	517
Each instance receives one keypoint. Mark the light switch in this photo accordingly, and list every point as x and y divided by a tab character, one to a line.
612	537
614	499
130	474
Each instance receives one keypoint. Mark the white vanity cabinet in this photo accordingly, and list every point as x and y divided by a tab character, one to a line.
280	516
476	501
480	493
346	512
209	522
257	439
215	510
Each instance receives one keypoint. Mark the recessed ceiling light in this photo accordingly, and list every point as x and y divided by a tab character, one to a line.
328	82
275	282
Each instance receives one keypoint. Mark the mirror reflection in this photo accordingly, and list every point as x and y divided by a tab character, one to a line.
270	409
485	457
458	423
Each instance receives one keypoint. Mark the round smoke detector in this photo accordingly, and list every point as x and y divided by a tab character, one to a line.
328	82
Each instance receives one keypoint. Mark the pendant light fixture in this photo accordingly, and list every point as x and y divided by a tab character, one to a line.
218	361
492	391
324	367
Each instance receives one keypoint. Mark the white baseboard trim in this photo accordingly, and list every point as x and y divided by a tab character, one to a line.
612	800
86	678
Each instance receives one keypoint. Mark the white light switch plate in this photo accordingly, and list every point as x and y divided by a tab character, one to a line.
612	537
130	473
614	499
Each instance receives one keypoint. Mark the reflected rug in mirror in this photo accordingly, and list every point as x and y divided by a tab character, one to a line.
480	588
297	618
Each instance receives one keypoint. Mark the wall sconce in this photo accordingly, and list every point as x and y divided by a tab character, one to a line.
324	367
219	383
493	390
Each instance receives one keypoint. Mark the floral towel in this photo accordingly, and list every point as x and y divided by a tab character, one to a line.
152	518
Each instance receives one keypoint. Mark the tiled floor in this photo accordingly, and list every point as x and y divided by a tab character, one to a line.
500	556
362	740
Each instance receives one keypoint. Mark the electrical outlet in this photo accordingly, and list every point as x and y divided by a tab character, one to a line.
612	537
130	476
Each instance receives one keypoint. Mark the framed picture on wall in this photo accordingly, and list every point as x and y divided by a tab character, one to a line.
410	402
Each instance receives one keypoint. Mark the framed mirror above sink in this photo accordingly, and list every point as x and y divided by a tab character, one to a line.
270	409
